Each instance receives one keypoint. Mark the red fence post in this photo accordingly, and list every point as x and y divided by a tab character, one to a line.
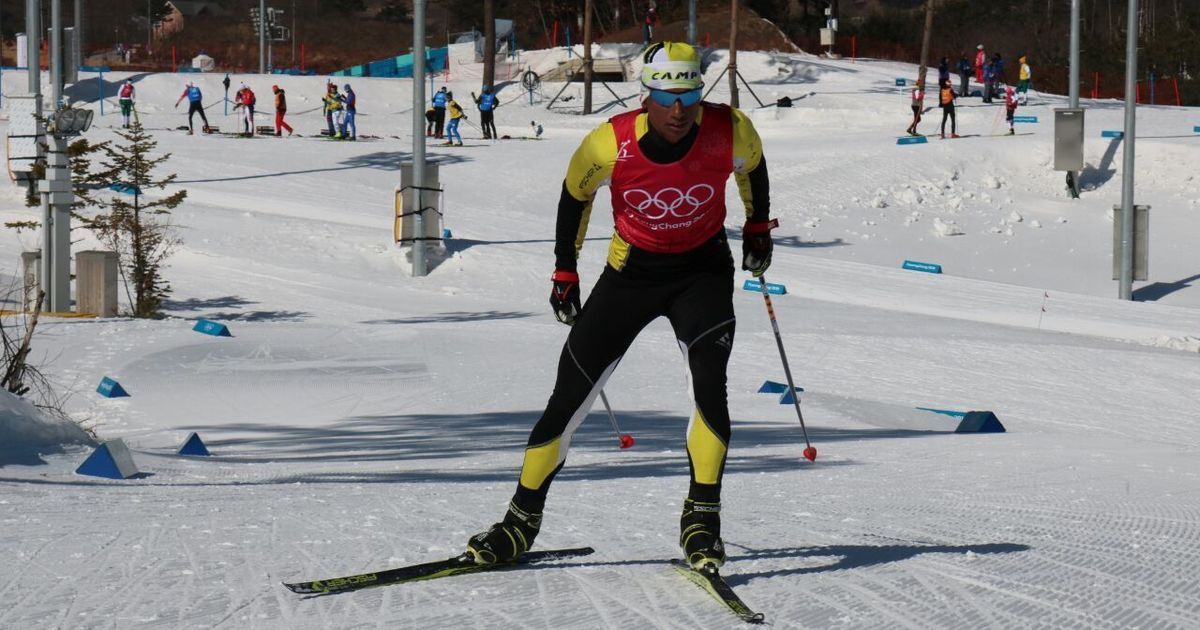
1178	101
301	57
174	64
1096	85
853	48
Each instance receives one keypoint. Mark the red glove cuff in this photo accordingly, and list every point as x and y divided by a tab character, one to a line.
564	276
760	226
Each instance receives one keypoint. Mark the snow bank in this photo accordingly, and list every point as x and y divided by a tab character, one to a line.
26	432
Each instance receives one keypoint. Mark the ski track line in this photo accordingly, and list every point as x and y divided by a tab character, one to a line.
1058	606
592	594
883	608
20	575
67	588
188	598
959	597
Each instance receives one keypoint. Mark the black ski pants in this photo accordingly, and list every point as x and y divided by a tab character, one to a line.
487	121
699	305
196	108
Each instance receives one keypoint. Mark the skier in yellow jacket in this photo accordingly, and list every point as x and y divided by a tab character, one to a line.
666	166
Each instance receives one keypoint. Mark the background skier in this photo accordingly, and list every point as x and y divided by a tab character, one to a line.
487	103
964	74
125	98
193	95
280	110
456	115
980	61
439	112
917	100
1023	78
350	104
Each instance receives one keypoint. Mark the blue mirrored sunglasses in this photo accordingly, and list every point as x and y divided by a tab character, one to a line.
667	99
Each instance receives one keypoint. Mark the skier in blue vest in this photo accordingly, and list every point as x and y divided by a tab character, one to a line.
350	102
487	103
439	112
194	106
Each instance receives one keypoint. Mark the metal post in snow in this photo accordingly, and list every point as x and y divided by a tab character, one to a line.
418	132
1073	88
1125	291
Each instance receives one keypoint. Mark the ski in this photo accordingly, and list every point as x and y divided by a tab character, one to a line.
711	581
458	565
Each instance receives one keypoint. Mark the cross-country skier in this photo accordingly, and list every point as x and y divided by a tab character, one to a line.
430	119
1023	78
964	74
980	60
246	100
439	111
666	166
350	104
193	95
280	110
487	103
125	98
1010	109
333	107
456	116
917	100
946	98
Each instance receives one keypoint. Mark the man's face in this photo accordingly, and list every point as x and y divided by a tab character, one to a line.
672	122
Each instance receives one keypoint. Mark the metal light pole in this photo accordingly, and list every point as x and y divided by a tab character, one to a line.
262	36
56	60
418	133
149	27
1127	209
691	32
587	57
79	38
732	69
1073	89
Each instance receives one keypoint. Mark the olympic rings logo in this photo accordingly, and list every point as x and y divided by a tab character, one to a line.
669	201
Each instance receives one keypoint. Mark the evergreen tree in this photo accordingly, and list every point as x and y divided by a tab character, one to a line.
138	230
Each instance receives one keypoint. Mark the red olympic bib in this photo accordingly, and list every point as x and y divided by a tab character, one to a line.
672	208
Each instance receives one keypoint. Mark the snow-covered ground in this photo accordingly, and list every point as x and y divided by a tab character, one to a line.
361	418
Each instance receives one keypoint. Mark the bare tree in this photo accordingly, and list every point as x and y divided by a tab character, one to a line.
489	42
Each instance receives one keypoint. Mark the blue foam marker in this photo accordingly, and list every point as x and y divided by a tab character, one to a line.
901	82
128	189
111	461
1112	134
772	288
1196	129
771	387
212	328
913	265
788	398
980	422
1025	119
110	388
446	233
945	412
193	445
912	140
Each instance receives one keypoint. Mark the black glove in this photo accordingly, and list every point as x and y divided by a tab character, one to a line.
564	296
756	246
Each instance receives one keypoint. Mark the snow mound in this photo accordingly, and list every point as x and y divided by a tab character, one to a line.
1187	343
943	227
26	432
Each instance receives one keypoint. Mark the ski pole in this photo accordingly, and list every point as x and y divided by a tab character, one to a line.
626	440
810	453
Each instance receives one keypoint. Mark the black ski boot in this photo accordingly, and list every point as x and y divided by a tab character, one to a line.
507	540
700	534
